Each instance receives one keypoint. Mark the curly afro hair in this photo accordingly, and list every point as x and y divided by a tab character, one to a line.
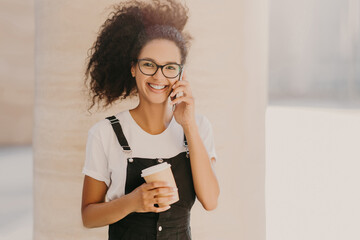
129	27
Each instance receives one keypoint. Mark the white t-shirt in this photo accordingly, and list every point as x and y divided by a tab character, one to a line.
106	161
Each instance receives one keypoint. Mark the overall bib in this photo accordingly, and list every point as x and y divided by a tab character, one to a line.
173	224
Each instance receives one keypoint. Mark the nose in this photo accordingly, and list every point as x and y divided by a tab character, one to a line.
159	75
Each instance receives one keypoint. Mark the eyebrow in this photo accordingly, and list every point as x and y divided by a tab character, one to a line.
153	60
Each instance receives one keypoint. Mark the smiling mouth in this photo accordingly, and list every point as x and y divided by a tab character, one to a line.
157	87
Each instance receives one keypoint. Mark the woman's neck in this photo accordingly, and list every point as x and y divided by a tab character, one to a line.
152	118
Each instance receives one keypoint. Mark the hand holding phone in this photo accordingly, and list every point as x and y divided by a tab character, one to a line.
180	93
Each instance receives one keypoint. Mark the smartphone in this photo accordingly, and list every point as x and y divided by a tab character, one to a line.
180	93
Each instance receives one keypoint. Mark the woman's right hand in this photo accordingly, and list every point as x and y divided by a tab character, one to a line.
148	194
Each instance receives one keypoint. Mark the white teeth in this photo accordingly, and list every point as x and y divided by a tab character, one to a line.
157	86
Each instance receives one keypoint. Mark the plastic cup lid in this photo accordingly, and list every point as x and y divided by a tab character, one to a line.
154	169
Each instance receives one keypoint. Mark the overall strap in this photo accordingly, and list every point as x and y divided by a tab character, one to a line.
119	133
185	141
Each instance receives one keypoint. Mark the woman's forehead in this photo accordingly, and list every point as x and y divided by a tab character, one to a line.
161	51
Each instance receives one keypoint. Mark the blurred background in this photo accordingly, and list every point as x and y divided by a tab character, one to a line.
313	120
311	87
314	53
17	84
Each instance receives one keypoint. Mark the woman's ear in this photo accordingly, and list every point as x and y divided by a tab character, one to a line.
133	70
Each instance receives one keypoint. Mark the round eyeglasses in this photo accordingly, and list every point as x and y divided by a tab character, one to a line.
149	68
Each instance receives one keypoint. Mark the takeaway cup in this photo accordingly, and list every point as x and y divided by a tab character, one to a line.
160	172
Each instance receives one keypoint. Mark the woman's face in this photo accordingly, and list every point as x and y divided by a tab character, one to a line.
156	88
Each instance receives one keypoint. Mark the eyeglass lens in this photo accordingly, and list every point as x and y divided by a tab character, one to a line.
148	67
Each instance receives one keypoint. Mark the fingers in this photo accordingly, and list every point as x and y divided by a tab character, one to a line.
178	90
180	83
163	191
187	100
165	196
161	209
181	87
166	200
159	192
154	185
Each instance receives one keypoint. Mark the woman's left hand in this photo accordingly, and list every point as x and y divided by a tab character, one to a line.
184	112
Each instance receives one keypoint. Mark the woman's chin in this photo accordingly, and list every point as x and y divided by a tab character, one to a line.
157	101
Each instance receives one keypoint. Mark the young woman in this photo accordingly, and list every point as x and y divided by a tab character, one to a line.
141	50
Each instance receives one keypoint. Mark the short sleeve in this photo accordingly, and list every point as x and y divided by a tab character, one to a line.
96	164
206	134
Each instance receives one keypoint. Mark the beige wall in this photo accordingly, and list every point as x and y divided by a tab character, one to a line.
227	69
16	71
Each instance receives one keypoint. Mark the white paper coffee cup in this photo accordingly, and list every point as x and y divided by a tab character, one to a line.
154	169
160	172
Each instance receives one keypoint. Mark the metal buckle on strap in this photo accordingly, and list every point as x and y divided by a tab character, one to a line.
127	151
113	121
187	150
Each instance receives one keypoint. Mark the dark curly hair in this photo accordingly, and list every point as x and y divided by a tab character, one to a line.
129	27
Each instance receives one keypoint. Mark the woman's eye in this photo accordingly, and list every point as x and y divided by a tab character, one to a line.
170	67
148	64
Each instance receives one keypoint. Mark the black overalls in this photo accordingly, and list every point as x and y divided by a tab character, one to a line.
173	224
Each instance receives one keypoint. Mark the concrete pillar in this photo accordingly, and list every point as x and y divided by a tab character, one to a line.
16	71
227	69
64	31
